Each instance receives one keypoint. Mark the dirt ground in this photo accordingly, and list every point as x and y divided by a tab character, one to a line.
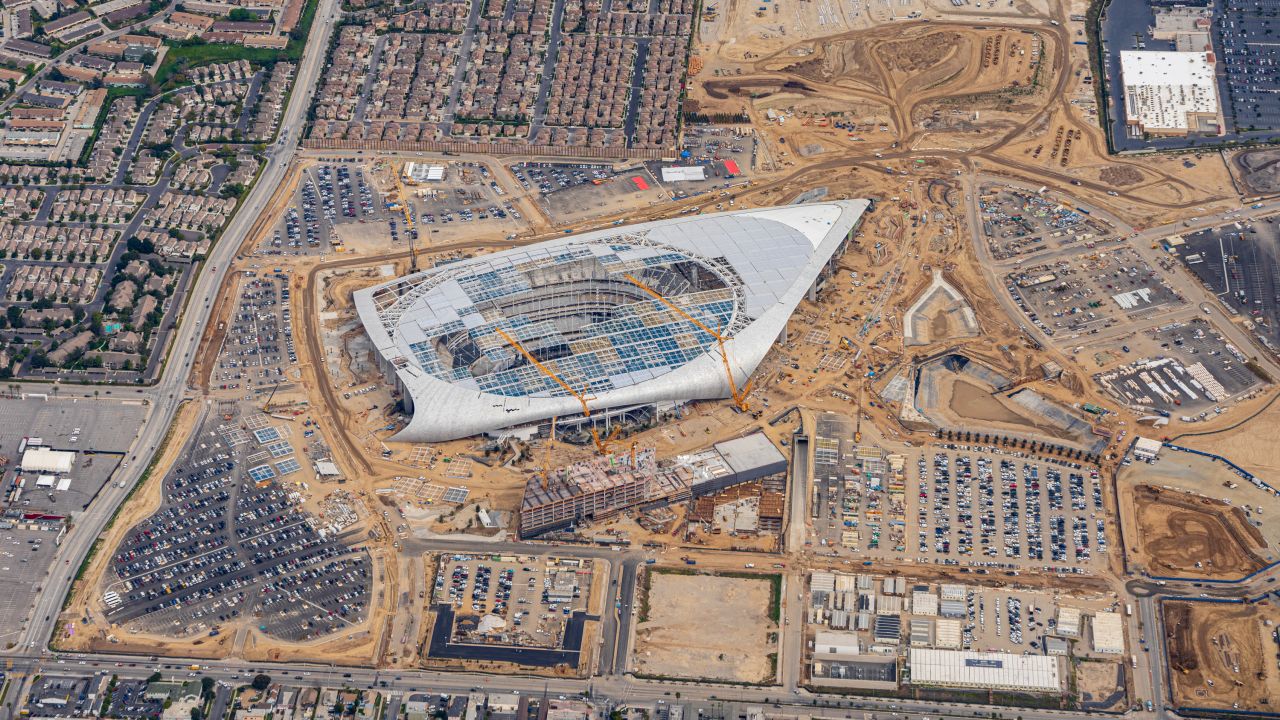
706	626
1249	444
1221	656
1180	534
1100	685
1201	477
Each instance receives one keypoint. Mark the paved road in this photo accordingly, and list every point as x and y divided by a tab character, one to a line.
617	688
171	391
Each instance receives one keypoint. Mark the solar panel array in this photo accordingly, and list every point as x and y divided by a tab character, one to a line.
262	473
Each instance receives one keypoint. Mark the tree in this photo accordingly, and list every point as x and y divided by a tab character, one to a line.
206	683
197	714
261	682
155	677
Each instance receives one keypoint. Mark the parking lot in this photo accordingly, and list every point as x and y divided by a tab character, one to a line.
1017	222
25	555
1084	294
1179	369
259	341
230	542
328	195
1238	263
514	601
988	510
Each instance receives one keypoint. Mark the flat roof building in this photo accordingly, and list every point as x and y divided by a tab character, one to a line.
868	672
986	670
1170	93
1147	448
1108	633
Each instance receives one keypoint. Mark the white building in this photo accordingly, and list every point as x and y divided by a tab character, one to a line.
1170	93
1146	448
684	174
421	172
839	644
47	460
1069	622
986	670
1108	633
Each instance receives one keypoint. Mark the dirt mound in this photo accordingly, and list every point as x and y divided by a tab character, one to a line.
1120	175
916	54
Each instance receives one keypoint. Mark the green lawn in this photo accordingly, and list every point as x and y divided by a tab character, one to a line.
181	57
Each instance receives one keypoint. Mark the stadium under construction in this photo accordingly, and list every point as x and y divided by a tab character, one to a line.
616	324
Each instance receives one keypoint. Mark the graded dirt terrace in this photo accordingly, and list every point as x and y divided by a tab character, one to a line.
1181	534
1227	645
707	627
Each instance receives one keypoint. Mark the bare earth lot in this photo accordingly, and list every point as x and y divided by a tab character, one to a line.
704	626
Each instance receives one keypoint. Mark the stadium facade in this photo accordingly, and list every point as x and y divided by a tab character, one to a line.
618	320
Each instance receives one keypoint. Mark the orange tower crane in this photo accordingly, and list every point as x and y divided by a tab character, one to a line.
601	445
739	395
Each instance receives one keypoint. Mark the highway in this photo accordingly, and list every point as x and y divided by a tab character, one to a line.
167	395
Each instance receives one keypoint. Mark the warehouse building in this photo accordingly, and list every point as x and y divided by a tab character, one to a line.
1170	93
868	672
947	634
1069	622
1108	633
984	670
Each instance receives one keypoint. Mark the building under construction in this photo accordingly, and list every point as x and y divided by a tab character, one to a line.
614	324
602	487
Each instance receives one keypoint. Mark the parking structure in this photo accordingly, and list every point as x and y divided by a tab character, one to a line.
1086	293
526	600
1238	263
1019	222
1185	369
987	510
223	548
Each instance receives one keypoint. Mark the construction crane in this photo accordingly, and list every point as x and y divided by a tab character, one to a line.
402	199
601	445
857	429
266	407
739	396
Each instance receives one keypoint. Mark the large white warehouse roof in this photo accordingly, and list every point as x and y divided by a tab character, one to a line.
618	318
992	670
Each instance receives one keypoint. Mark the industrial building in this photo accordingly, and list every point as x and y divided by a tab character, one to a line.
1108	633
1147	448
618	323
1170	93
985	670
599	488
864	672
415	173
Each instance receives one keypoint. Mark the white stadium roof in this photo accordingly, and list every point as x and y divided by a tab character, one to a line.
459	336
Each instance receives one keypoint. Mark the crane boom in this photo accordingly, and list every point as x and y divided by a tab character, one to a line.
586	411
739	396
